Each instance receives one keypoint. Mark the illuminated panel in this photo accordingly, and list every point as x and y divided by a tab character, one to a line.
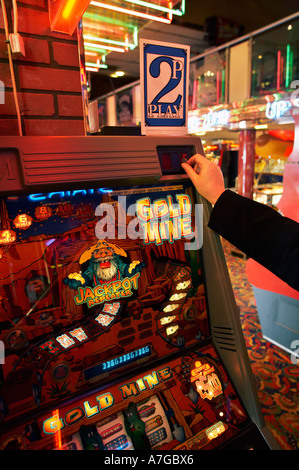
79	334
205	436
170	308
58	441
166	320
171	330
65	341
175	297
7	236
183	285
119	443
22	221
215	430
50	347
207	382
65	14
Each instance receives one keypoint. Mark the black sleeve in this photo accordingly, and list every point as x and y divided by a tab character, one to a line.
260	232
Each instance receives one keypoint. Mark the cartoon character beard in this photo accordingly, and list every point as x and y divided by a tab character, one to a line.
109	272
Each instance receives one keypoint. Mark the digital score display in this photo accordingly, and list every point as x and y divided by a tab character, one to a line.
117	362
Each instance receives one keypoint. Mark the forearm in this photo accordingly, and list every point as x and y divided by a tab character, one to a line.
260	232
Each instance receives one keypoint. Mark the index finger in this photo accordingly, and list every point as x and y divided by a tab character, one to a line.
198	159
190	172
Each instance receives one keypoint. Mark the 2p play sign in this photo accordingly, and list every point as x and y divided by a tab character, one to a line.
164	79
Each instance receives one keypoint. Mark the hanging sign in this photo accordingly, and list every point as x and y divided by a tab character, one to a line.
164	80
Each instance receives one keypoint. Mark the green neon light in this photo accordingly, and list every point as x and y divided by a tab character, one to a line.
105	19
291	65
109	41
98	66
223	83
95	49
288	66
153	6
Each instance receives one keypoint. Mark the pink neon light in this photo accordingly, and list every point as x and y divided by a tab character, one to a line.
217	86
278	69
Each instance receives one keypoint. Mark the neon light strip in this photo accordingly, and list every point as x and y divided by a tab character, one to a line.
94	54
92	26
223	84
288	66
194	94
278	70
135	35
291	65
92	64
103	47
58	441
105	19
131	12
153	6
110	41
100	51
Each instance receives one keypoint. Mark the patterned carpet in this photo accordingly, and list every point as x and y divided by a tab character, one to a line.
275	376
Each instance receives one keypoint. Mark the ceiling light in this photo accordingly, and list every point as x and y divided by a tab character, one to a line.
91	45
97	65
154	6
104	19
92	69
117	74
127	11
261	126
110	41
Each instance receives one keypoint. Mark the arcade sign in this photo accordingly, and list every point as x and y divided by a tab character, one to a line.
277	109
164	78
100	403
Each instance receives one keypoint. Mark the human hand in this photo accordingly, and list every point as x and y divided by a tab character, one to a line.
206	176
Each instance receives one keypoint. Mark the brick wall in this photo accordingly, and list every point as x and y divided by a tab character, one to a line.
47	78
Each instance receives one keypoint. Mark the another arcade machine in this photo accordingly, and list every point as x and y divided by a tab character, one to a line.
119	325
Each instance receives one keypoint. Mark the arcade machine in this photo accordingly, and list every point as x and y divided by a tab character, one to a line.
118	324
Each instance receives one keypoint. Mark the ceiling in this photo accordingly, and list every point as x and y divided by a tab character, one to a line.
129	62
105	26
188	29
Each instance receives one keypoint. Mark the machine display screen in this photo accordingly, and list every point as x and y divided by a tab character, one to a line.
96	284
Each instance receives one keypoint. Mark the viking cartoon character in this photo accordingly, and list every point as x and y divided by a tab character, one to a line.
105	265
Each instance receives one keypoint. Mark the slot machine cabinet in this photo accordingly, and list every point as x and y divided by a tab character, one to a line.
103	334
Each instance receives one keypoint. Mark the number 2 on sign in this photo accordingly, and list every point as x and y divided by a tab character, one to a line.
158	108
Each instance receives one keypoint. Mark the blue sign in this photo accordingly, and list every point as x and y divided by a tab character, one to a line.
164	77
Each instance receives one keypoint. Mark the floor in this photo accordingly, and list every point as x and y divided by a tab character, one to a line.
275	375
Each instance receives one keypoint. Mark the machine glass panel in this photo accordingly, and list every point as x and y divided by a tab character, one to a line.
105	323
